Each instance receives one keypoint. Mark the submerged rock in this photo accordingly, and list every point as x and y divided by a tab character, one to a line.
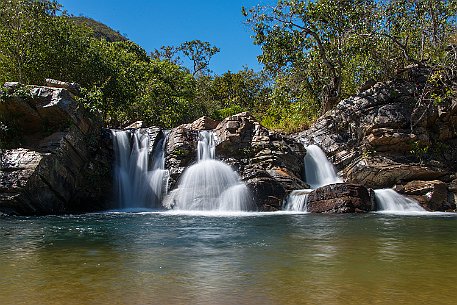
340	198
55	163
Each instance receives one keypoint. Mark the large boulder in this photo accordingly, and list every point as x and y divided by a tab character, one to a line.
340	198
386	135
55	162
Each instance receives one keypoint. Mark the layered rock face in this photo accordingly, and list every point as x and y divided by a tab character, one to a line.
269	163
56	163
387	136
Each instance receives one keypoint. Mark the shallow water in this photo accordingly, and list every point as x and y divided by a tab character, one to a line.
238	258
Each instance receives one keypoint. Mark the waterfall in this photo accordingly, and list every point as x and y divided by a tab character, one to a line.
206	147
318	170
390	201
210	184
138	183
297	201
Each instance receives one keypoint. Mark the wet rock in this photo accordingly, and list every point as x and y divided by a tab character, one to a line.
452	195
340	198
271	164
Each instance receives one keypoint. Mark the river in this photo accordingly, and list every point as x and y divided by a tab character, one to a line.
239	258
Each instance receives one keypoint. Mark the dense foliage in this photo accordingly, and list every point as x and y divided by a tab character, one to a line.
315	53
323	51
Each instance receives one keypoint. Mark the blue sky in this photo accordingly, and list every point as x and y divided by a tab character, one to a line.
154	23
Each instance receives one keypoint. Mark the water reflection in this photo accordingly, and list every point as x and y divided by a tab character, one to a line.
190	259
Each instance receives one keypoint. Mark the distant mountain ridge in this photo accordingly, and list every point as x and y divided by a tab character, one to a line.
101	30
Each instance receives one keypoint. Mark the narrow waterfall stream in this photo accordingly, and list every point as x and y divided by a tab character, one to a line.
210	184
389	200
318	171
139	183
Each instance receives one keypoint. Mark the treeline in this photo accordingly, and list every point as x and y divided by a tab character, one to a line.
322	51
315	53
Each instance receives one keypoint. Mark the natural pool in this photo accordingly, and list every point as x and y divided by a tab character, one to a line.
250	258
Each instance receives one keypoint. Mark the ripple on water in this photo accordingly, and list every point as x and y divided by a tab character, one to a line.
228	258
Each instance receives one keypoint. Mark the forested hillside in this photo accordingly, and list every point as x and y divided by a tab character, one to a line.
315	53
100	30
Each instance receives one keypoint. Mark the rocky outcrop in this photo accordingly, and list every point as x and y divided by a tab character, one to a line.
269	163
432	195
386	135
340	198
55	162
181	152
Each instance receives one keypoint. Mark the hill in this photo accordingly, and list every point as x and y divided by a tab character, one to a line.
101	30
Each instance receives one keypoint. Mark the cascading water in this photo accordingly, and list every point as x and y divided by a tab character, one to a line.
210	185
318	171
297	201
390	201
138	184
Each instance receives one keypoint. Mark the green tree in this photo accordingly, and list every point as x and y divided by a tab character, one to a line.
168	96
415	32
198	52
332	47
314	36
24	33
231	93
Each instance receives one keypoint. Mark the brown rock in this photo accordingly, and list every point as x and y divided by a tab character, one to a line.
203	123
382	171
340	198
432	195
181	151
135	125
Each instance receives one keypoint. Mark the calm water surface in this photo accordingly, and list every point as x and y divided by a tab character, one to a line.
164	258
